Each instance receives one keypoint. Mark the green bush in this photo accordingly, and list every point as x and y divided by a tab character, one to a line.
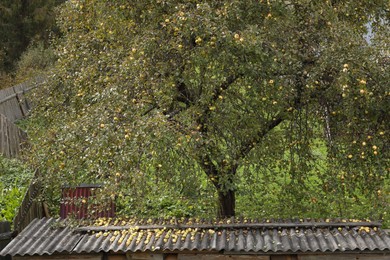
6	79
34	61
14	180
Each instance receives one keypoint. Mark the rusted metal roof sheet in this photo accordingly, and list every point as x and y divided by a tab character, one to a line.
49	236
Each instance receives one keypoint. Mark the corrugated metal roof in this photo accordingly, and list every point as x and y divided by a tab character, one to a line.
50	236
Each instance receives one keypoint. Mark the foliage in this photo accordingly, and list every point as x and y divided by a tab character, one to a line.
6	79
14	180
184	103
36	60
23	23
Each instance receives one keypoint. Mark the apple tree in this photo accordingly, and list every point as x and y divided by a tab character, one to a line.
191	99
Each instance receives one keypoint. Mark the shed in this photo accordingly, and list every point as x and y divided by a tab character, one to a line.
189	239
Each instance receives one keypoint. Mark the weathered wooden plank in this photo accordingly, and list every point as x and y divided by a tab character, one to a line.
30	208
345	257
24	104
221	257
14	103
2	138
11	138
13	133
284	257
116	257
3	96
10	107
6	137
144	256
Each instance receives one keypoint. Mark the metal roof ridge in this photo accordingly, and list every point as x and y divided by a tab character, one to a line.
228	226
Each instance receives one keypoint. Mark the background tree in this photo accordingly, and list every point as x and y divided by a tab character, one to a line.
23	23
260	97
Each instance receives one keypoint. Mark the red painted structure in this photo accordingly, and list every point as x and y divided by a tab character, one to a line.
79	202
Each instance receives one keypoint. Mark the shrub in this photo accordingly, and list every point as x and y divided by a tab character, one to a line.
14	180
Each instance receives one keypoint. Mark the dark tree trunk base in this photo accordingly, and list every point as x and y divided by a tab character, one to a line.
227	204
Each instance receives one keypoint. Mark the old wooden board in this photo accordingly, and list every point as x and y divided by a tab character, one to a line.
9	105
11	138
345	257
20	91
221	257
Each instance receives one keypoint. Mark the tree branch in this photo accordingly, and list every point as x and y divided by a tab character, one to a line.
209	168
184	94
250	144
216	93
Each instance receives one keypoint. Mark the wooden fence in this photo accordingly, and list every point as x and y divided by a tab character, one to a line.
30	208
11	138
5	237
13	102
14	106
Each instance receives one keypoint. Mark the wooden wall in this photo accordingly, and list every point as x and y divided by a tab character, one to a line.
11	138
201	256
345	257
13	102
222	257
14	106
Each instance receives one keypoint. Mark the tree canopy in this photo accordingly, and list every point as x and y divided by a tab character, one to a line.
251	107
23	22
26	30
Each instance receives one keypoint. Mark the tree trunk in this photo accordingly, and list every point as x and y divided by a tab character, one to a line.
226	195
227	203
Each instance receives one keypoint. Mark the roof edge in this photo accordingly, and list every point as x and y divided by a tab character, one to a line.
230	226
